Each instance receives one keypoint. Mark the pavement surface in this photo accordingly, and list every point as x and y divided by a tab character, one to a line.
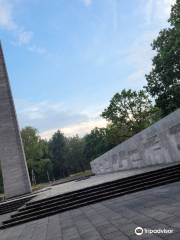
115	219
92	181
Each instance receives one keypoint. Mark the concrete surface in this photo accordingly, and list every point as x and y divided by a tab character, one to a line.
158	144
92	181
115	219
12	158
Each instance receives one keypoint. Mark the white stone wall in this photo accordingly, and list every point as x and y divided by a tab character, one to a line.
158	144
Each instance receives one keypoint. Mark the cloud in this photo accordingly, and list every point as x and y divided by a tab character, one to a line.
36	49
47	114
48	117
20	35
139	58
87	2
81	129
7	22
24	37
156	10
139	55
6	19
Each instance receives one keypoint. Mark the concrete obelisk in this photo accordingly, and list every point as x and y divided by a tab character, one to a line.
13	163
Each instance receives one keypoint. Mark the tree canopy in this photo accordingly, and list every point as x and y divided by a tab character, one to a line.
37	155
57	150
130	111
95	143
163	82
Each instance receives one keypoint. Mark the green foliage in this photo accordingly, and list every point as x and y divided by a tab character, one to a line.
163	82
95	143
75	161
37	155
32	143
117	134
67	155
41	168
57	150
130	112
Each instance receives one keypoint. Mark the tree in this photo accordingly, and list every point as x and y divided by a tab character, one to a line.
116	134
42	168
75	161
58	150
163	82
37	155
130	112
95	143
31	141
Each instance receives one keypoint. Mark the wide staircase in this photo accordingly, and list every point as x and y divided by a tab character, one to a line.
56	204
13	204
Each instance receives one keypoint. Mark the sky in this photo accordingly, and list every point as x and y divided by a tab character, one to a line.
67	58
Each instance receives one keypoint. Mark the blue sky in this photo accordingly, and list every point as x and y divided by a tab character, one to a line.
67	58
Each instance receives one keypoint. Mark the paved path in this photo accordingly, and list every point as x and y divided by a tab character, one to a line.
94	180
113	219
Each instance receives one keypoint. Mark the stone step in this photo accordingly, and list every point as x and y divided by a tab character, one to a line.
39	216
13	205
86	198
102	185
94	194
94	191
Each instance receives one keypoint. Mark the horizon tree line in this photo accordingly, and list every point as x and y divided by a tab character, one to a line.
128	113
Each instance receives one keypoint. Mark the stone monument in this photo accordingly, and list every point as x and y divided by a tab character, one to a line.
13	163
158	144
